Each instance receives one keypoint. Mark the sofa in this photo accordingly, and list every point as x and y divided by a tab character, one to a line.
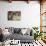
25	35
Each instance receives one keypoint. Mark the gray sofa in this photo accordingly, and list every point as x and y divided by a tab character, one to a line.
17	35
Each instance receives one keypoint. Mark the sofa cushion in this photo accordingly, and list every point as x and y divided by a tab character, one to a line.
22	38
11	30
17	30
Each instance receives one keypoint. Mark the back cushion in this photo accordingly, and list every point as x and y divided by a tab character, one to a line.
24	30
17	30
11	30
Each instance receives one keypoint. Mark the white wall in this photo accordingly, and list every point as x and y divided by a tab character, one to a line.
30	14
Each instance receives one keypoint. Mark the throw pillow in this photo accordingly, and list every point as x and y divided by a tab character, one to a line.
17	30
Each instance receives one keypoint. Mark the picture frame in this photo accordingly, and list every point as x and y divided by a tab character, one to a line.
14	15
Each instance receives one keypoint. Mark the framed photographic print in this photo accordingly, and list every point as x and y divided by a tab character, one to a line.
14	15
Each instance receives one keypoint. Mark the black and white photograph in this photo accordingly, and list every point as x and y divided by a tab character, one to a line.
14	15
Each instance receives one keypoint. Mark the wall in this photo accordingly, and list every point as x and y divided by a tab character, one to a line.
30	14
